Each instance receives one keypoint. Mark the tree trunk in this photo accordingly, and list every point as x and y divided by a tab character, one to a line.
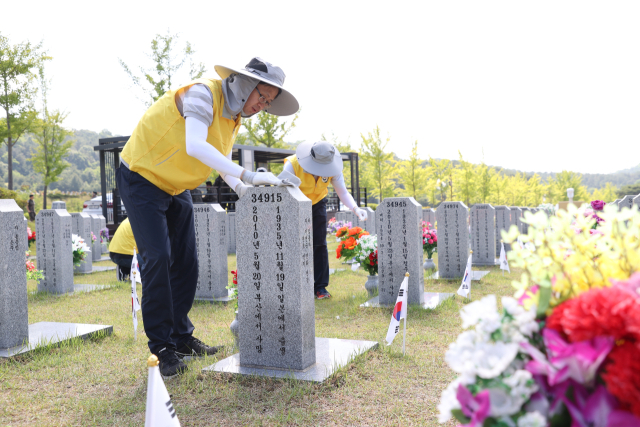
44	198
10	162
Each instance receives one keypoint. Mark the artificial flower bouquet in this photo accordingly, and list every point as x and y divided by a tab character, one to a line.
93	238
80	249
31	235
234	285
104	235
335	226
429	239
32	272
349	241
565	352
367	254
592	212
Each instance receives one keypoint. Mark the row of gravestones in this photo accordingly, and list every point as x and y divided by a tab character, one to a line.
628	201
348	216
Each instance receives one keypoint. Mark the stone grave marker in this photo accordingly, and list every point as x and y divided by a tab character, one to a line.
503	222
626	202
483	234
276	310
453	239
636	202
103	246
346	216
211	242
516	217
96	247
429	215
14	317
81	226
59	205
231	231
398	220
525	226
54	251
370	223
275	279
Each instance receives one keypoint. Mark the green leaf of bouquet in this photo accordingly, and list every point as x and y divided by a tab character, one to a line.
545	297
460	416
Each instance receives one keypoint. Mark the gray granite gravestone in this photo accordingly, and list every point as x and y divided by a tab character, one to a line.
626	202
14	317
59	205
429	215
453	239
104	248
399	249
370	223
81	226
276	311
503	222
346	216
275	279
636	202
516	217
96	247
483	234
211	243
231	232
54	251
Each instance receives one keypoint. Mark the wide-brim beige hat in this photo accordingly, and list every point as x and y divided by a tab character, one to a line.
285	104
319	158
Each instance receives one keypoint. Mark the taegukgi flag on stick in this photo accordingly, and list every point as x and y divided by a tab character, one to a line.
465	287
399	311
504	263
160	411
135	304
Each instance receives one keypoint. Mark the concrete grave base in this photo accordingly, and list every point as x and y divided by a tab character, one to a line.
331	355
229	297
495	262
335	270
104	258
431	300
47	333
476	275
88	288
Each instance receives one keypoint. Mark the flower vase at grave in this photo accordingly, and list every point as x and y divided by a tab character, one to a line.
429	264
371	285
235	329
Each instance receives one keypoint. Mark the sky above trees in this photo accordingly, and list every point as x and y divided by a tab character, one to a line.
542	86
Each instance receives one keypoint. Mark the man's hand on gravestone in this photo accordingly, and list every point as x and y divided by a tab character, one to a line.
260	178
241	189
362	214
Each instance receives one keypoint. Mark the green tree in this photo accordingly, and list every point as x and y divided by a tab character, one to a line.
377	164
412	175
562	182
535	191
17	65
53	144
168	58
485	182
268	130
628	189
441	175
466	180
608	193
499	188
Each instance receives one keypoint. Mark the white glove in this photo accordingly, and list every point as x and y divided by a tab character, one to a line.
362	214
241	189
260	178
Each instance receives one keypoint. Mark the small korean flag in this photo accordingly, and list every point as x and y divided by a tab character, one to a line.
504	263
465	287
399	311
160	411
135	303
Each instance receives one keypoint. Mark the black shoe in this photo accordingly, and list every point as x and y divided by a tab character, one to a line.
322	293
193	347
170	365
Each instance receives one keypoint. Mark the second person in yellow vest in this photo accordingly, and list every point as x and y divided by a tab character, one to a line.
318	164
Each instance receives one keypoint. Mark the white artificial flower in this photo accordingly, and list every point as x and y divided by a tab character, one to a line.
521	385
502	403
461	353
491	359
472	313
524	320
532	419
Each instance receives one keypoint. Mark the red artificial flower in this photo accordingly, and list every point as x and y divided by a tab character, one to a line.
621	375
235	276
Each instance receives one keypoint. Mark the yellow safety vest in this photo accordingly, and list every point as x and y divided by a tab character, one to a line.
314	190
157	148
123	241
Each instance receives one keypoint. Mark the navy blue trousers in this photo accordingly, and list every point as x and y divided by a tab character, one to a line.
320	254
163	227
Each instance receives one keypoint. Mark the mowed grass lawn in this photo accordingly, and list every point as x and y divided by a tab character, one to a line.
102	381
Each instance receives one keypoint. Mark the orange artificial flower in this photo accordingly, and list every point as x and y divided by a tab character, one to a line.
341	231
355	230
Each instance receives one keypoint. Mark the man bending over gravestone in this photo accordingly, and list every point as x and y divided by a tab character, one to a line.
317	164
181	138
121	250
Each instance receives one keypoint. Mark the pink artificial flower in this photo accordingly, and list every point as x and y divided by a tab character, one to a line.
597	410
597	205
578	361
430	241
475	407
525	296
631	285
